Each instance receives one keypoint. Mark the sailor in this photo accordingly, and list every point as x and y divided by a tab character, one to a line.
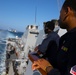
49	46
50	36
67	45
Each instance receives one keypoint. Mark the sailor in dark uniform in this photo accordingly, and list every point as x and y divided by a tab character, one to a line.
67	52
49	46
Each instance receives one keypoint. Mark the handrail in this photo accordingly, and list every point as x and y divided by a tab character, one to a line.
33	58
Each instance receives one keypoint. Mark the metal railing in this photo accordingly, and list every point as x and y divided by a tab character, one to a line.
34	58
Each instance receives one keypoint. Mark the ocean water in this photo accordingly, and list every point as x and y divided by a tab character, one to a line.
3	36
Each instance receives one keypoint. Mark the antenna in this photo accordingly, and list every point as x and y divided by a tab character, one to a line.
35	14
59	2
58	5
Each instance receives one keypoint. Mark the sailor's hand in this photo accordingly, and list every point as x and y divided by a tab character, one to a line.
43	64
36	48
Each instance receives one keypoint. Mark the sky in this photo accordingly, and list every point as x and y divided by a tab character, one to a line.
17	14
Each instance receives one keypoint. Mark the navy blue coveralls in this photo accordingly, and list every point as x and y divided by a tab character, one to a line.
66	56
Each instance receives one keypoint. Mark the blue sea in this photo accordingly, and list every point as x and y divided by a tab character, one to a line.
4	34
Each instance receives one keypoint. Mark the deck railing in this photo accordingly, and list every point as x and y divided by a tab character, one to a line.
33	58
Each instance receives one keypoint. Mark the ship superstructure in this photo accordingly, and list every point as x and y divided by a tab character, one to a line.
18	49
17	62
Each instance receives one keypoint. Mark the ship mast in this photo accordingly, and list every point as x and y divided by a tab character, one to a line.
35	14
59	2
